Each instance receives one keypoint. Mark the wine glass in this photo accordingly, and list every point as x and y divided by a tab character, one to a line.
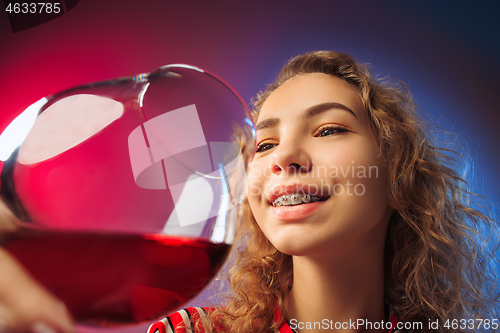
127	191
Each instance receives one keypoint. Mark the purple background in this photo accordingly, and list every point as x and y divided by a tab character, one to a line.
448	53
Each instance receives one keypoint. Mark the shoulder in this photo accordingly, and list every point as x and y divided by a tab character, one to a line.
183	321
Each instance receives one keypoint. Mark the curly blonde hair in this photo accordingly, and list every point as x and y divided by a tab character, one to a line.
437	266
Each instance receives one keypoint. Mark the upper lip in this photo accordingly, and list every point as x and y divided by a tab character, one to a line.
279	190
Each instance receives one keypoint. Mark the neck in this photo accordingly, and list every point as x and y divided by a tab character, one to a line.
345	288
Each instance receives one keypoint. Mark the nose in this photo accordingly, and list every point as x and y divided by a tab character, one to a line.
290	157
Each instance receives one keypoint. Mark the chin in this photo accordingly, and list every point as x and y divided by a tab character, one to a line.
298	250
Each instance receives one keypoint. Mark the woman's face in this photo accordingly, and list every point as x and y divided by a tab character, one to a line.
318	178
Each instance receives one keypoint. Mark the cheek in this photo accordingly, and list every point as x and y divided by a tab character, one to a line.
255	180
367	183
257	211
256	190
356	168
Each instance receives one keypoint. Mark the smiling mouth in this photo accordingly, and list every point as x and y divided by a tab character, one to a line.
296	199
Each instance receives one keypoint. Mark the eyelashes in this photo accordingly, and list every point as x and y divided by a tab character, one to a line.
263	146
330	129
322	131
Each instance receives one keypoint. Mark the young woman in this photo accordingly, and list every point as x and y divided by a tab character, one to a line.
354	218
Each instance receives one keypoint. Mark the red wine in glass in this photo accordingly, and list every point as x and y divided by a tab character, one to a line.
127	190
107	279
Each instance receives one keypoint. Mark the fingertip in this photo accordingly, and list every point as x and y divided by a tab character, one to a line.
65	319
41	327
3	326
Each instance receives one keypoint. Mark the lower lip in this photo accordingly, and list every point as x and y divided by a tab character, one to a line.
290	213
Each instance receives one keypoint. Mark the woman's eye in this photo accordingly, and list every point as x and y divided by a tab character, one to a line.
330	130
264	146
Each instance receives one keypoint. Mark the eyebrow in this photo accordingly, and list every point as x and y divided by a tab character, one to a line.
317	109
310	112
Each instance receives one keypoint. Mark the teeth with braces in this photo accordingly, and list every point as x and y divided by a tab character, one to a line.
295	199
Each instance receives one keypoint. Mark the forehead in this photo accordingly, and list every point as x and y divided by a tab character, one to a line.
304	91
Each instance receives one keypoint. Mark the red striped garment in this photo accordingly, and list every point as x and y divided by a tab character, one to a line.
182	321
186	320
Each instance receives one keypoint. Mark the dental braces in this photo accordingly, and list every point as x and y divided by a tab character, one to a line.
294	199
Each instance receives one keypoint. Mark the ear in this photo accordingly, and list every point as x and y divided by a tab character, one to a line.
393	203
